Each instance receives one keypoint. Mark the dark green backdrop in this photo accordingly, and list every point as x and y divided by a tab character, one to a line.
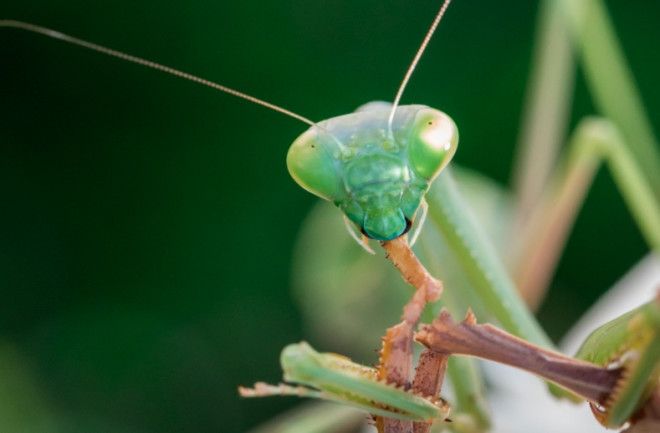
147	222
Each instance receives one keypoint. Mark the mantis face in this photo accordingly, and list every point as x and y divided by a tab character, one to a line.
375	174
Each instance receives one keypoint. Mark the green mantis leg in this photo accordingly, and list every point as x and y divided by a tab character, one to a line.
587	26
611	82
547	109
594	140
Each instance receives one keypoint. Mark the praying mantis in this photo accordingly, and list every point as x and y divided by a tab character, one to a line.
362	101
595	136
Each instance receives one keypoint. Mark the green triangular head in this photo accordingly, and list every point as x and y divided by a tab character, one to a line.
376	178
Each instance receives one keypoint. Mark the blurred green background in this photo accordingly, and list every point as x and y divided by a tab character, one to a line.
147	223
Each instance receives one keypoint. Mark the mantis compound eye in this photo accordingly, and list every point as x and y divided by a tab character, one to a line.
312	165
433	142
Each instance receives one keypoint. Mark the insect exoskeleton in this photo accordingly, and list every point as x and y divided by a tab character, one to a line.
376	174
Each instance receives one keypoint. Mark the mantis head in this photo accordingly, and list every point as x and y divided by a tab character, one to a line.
377	173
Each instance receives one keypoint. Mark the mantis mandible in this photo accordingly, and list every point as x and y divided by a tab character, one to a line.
499	319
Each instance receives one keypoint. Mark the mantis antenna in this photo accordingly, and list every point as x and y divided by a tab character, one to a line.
57	35
413	64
